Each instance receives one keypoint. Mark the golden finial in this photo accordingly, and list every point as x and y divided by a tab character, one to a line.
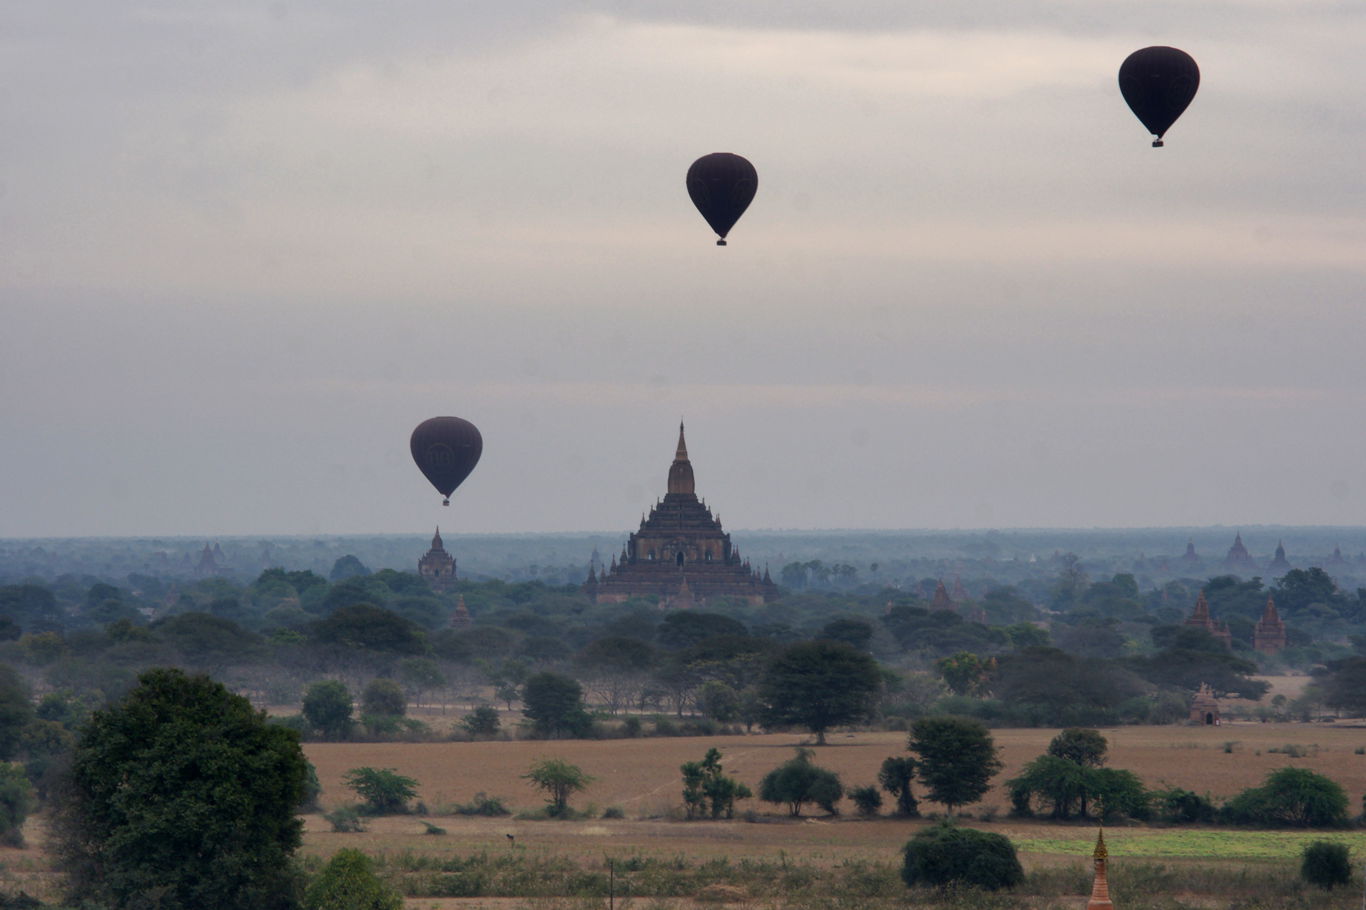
1100	851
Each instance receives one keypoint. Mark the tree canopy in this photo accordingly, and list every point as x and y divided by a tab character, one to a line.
955	758
819	685
183	794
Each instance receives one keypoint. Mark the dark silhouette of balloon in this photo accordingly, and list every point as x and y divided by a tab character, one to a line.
1158	83
722	186
446	449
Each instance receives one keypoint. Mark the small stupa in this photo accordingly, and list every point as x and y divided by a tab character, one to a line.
1100	885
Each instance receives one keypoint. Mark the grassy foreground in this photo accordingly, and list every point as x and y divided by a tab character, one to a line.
546	882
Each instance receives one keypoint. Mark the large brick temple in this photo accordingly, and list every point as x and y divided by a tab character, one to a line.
680	554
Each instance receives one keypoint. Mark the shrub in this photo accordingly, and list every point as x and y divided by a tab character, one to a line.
1290	797
1326	864
482	721
613	812
798	781
349	882
345	820
491	806
947	855
434	830
867	800
1183	806
385	791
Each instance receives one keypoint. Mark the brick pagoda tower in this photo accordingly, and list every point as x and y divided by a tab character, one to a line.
1269	636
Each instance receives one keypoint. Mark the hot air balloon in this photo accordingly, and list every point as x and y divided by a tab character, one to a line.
446	450
1158	83
722	186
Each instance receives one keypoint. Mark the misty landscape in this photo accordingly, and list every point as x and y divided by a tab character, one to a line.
965	397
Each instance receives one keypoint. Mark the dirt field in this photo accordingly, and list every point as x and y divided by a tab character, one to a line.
641	775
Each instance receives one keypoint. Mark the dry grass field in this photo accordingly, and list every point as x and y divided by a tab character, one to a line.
641	775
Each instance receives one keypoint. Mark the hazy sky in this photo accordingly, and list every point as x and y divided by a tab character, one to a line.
246	247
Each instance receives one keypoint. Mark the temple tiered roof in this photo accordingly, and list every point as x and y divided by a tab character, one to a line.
680	554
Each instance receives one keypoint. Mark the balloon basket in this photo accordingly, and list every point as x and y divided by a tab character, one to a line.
720	243
445	502
1157	143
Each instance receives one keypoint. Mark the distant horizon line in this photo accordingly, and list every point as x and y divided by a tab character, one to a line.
1058	529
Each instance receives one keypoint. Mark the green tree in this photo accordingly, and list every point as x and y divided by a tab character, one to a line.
819	685
895	776
420	675
16	801
181	795
384	697
385	791
554	705
558	780
482	721
867	799
719	701
1290	797
955	758
1344	684
370	627
707	790
965	673
349	882
348	566
1326	864
799	781
327	708
1082	745
1055	781
947	855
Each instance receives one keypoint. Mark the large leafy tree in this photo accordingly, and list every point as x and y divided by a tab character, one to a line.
182	796
327	707
955	758
819	685
554	705
1344	684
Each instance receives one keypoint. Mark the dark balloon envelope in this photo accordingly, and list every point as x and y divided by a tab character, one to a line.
722	186
446	450
1158	83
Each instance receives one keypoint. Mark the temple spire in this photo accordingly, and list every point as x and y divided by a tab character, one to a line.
680	472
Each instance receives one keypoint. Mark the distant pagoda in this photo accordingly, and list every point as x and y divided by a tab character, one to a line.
1279	563
1238	557
679	554
437	566
1200	619
1269	637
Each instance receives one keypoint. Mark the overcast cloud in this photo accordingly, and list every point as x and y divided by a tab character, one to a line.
246	247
